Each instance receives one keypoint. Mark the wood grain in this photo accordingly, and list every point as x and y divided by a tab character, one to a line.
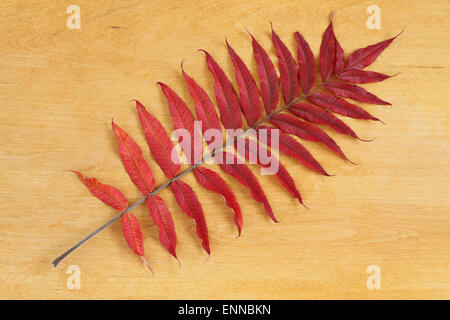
59	89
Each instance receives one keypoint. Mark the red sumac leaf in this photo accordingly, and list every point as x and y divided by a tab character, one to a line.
163	219
364	57
212	181
227	100
158	141
107	194
135	165
306	64
361	76
307	131
327	57
188	202
204	108
288	70
340	106
319	115
246	177
269	87
132	232
248	92
354	92
292	148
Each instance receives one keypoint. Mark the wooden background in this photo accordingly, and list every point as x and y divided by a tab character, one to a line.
59	89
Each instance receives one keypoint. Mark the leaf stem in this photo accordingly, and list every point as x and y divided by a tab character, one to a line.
180	175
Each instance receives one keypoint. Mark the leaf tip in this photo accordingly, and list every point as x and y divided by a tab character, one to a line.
181	65
77	173
365	140
147	264
139	105
353	163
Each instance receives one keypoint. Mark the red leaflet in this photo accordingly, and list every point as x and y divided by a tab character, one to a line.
354	92
207	178
292	148
340	58
248	92
204	108
158	141
188	202
107	194
340	106
306	64
307	131
163	219
142	176
327	53
361	76
182	119
212	181
115	198
246	177
364	57
318	115
227	100
288	70
181	116
135	165
160	146
133	235
282	174
269	87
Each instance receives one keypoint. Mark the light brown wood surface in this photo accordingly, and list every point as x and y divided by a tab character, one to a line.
59	89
